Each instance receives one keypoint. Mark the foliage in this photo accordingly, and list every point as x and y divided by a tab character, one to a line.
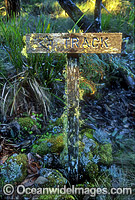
120	19
56	197
20	90
93	68
105	153
29	76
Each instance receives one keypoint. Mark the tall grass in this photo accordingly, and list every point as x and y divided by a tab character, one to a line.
30	78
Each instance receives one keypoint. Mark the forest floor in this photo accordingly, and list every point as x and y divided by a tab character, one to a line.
113	112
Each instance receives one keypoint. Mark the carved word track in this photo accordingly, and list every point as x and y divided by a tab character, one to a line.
74	43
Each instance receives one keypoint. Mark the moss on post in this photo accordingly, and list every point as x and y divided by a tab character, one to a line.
73	116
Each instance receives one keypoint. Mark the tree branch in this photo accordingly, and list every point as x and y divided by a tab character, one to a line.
75	13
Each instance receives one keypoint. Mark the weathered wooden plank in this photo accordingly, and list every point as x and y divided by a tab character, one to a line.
74	43
73	116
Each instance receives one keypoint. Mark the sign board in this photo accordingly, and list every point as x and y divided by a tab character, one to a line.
74	43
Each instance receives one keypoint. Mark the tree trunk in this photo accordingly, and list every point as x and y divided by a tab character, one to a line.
12	7
75	13
97	16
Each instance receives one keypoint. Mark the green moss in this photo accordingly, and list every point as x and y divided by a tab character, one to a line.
56	197
64	157
56	179
26	123
48	197
21	159
105	153
81	146
66	197
55	144
59	122
2	182
88	132
92	170
90	154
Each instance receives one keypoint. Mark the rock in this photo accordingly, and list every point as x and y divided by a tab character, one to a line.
41	180
11	130
14	169
15	127
55	144
27	122
91	155
28	125
55	178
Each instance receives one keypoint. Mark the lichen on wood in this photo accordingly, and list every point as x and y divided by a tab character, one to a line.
73	116
74	43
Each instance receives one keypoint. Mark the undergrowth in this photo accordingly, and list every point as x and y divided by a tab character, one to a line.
38	75
31	77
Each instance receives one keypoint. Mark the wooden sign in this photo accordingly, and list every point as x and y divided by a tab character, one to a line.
74	43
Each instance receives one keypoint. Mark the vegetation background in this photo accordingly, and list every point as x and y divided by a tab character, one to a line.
43	71
33	85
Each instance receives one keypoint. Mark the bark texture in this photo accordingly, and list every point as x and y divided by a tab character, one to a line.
75	13
12	7
97	15
74	43
73	116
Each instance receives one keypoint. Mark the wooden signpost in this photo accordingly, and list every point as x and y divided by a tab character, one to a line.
73	44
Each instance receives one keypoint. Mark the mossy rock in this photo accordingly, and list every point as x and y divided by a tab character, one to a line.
91	155
92	170
59	122
105	153
64	158
26	123
88	132
55	178
55	144
55	127
56	197
15	168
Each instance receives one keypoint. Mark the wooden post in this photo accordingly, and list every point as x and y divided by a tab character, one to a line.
73	44
73	115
